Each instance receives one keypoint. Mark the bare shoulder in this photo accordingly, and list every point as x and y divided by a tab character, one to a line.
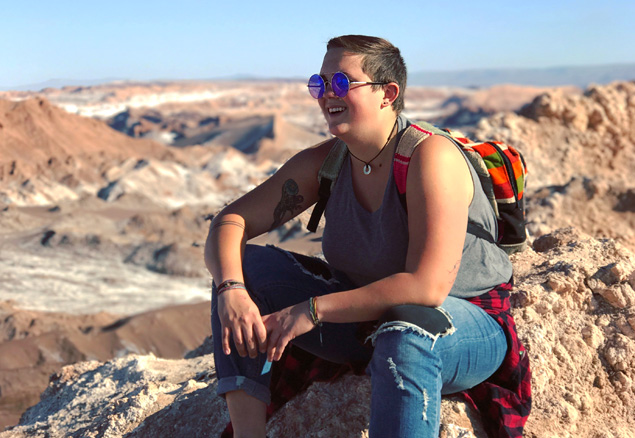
438	162
289	191
438	148
305	165
302	169
316	153
438	195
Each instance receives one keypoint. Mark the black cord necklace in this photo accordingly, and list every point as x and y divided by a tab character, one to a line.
367	168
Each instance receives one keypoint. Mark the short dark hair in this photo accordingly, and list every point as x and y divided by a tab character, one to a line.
382	61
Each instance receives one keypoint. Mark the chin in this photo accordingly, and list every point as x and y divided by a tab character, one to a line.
338	129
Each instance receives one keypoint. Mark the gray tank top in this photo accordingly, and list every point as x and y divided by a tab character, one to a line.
370	246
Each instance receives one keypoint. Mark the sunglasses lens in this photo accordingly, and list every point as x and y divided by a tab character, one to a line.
340	84
316	86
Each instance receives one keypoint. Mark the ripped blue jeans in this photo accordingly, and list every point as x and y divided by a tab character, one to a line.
419	352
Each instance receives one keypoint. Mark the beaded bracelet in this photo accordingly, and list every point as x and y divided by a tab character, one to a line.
229	285
314	317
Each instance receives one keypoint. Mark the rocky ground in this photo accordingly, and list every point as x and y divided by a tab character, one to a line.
575	308
34	345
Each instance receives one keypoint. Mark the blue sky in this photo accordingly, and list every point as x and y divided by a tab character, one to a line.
189	39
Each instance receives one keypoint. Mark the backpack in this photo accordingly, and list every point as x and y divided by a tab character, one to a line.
501	169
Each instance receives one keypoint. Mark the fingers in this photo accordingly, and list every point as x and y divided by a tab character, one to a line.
226	334
276	343
249	340
269	334
238	341
271	347
261	336
282	343
242	323
272	335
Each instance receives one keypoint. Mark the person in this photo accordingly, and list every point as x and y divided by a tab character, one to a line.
412	271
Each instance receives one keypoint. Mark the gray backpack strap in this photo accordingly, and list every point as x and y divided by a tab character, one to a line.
484	177
431	128
333	162
327	176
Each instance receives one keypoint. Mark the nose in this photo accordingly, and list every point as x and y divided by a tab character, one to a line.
328	90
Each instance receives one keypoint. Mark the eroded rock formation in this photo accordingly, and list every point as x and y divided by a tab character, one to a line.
580	151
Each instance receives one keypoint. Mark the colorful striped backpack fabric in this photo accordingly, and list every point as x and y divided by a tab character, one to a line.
502	172
501	169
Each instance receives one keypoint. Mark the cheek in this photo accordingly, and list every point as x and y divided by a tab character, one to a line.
355	106
322	105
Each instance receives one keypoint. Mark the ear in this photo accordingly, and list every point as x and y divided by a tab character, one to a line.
391	92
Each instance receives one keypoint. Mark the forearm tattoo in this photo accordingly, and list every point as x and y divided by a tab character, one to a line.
289	202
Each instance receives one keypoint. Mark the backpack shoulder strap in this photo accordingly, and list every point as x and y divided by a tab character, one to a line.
332	164
410	139
327	176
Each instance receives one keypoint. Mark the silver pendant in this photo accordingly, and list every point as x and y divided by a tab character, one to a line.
367	169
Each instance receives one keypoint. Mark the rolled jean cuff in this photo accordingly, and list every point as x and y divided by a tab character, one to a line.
251	387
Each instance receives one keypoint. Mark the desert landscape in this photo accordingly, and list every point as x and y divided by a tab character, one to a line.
106	193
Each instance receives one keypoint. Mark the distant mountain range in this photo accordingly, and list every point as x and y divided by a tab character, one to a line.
59	83
580	76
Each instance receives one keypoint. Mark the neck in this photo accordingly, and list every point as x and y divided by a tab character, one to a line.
372	141
376	159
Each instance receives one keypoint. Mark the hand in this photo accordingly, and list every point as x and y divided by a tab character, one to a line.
240	316
284	326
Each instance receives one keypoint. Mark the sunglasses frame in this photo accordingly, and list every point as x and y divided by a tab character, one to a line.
341	93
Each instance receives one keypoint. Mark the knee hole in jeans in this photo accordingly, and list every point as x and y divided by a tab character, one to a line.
428	321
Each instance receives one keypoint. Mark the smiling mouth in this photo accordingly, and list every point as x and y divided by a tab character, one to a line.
336	110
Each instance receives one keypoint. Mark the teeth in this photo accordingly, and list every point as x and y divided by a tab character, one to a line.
336	110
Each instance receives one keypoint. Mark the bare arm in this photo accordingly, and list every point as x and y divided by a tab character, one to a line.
290	191
287	193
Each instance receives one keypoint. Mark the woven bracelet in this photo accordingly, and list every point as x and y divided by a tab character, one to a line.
226	288
313	312
230	284
314	317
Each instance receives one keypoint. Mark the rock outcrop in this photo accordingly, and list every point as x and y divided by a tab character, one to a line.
580	151
35	344
575	308
590	134
49	154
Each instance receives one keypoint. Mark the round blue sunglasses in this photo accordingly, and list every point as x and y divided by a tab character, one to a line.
339	83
